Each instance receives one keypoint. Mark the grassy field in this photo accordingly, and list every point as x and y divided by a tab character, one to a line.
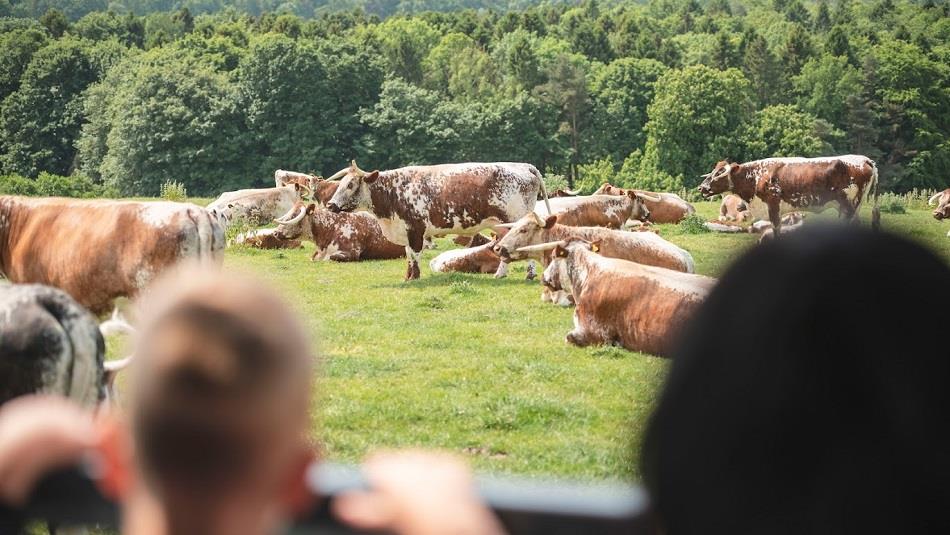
479	366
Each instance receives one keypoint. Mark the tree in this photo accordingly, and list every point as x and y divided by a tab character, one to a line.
55	21
783	130
405	44
837	44
566	89
824	85
517	56
695	118
176	118
822	16
17	48
41	119
798	50
101	25
620	93
762	70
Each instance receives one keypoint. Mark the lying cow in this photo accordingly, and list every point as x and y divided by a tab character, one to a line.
758	227
642	308
808	183
733	209
611	211
413	203
942	200
100	250
341	237
289	178
473	259
643	247
49	344
266	239
257	206
663	207
560	192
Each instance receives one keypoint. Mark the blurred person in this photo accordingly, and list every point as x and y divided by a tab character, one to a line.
809	394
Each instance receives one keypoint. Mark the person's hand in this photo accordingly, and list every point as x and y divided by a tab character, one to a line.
417	493
37	434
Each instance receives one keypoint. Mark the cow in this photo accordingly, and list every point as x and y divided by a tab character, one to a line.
611	211
641	308
49	344
289	178
807	183
560	192
266	239
735	210
100	250
474	259
757	227
942	200
341	237
257	206
670	208
643	247
416	202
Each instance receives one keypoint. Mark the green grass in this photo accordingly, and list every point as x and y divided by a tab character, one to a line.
479	366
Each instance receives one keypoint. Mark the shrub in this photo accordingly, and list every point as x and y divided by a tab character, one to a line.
554	182
892	203
50	185
17	185
173	191
693	224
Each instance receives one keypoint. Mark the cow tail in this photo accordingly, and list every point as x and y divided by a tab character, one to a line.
875	209
544	191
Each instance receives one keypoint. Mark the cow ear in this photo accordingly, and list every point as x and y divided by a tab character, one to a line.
493	235
560	252
595	246
632	194
311	208
370	178
550	221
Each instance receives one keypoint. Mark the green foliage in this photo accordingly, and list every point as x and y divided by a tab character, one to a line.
891	203
693	224
16	50
592	175
783	130
173	191
50	185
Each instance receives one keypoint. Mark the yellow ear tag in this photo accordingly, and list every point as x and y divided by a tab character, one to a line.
594	247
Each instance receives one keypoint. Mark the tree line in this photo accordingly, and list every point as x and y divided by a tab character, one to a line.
647	95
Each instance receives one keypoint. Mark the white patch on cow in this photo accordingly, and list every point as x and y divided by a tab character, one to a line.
442	262
329	251
852	192
502	270
160	214
394	230
143	276
347	230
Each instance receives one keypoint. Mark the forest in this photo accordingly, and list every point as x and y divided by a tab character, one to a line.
120	97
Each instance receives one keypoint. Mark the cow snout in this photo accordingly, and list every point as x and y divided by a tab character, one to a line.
938	214
333	207
705	190
501	251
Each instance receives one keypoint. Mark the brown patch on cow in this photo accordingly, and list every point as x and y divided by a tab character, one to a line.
734	209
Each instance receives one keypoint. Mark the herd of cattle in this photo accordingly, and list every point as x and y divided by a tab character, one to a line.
629	286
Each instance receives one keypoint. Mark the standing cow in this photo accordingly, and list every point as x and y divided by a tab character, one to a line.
418	202
642	308
663	207
809	183
100	250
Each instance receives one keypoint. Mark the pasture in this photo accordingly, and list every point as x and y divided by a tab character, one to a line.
479	366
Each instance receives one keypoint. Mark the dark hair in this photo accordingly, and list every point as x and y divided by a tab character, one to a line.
810	394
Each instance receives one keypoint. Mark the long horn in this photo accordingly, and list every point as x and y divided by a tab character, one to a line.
353	164
707	175
339	174
504	225
651	198
933	199
541	246
284	221
573	192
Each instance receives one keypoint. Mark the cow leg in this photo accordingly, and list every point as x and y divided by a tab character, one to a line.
775	216
502	270
532	271
345	256
846	210
579	336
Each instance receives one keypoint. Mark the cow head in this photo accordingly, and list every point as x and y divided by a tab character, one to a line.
942	200
557	276
293	224
529	230
640	210
718	180
353	192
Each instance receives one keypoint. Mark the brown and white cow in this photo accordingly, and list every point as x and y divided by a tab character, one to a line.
341	237
611	211
642	308
663	207
100	250
473	259
413	203
643	247
266	238
942	200
289	178
257	206
734	210
808	183
560	192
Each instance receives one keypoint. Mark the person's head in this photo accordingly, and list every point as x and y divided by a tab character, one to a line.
809	394
220	398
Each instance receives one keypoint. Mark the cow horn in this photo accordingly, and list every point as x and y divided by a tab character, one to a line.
504	225
541	246
933	199
339	174
116	365
651	198
707	175
572	191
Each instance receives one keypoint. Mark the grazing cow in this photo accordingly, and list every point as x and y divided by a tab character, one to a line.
51	345
734	209
341	237
100	250
266	239
643	247
416	202
472	259
670	208
611	211
808	183
942	199
642	308
257	206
